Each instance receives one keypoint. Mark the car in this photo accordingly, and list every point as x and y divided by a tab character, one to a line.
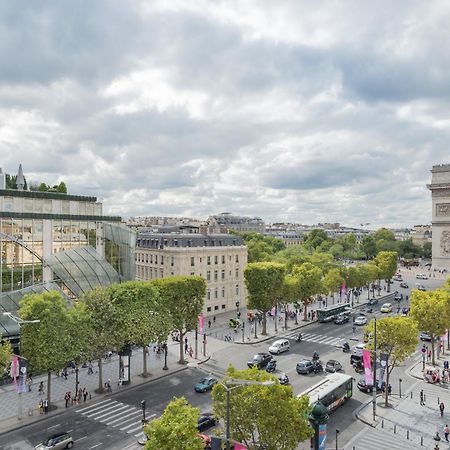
405	310
386	308
206	420
404	285
420	287
364	387
360	320
260	360
424	336
56	442
398	297
280	346
283	378
358	348
373	301
333	366
305	366
142	438
421	276
398	278
205	384
341	319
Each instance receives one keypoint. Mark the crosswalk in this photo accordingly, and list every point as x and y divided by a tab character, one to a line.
317	338
118	415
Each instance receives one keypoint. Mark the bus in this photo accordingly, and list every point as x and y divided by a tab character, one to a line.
332	391
327	314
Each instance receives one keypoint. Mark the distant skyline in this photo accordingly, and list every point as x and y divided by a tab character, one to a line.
292	111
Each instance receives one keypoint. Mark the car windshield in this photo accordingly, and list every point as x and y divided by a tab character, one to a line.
257	358
204	381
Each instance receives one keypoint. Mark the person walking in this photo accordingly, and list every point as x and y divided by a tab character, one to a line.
446	432
209	323
45	406
90	369
85	394
41	388
29	384
441	408
422	398
214	319
41	407
389	389
186	345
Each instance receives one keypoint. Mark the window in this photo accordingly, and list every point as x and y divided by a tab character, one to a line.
156	259
192	274
192	261
236	274
215	275
200	259
208	309
216	308
222	275
223	259
237	258
171	261
208	260
237	289
151	259
161	273
208	275
216	259
223	292
209	295
146	258
216	294
223	306
162	259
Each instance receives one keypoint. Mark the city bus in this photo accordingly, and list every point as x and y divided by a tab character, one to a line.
327	314
332	391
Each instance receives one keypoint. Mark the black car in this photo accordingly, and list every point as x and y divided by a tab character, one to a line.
305	366
206	420
333	366
364	387
372	301
260	360
283	378
404	285
398	297
341	319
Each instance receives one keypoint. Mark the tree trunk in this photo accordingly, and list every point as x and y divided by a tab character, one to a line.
386	389
100	375
388	285
432	350
181	360
264	332
49	384
285	319
305	312
144	361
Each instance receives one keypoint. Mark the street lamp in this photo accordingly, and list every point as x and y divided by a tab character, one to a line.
143	412
337	434
19	322
165	356
400	387
374	387
231	384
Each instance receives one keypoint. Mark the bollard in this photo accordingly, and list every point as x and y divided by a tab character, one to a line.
395	428
421	441
438	401
407	434
382	423
411	394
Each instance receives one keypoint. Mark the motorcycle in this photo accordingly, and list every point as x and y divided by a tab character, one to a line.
345	347
358	366
271	366
317	367
299	337
315	356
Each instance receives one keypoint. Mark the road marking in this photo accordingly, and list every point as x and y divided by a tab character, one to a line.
101	411
115	413
54	426
135	429
131	425
99	403
96	445
83	437
125	420
120	418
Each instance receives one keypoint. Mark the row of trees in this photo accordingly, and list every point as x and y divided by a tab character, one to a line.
136	312
271	283
259	415
11	183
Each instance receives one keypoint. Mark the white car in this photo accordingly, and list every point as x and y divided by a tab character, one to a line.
386	308
421	276
280	346
361	320
358	349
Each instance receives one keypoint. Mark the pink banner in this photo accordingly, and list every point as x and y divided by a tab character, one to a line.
201	323
15	369
238	446
367	367
273	311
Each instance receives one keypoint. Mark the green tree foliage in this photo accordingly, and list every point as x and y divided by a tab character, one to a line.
269	415
315	239
332	281
288	295
62	188
407	249
183	298
47	345
369	246
309	283
6	353
431	312
426	250
261	248
383	234
397	337
292	256
147	315
176	429
387	265
264	281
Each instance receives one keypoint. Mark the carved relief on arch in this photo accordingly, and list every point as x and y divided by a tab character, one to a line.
442	209
445	243
440	193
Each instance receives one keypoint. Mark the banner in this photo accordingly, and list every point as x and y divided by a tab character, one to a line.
322	436
343	292
15	369
216	443
201	323
22	382
383	367
238	446
367	367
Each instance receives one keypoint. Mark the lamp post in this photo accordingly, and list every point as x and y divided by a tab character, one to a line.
400	387
275	318
374	390
243	331
337	434
143	412
231	384
165	356
255	320
19	322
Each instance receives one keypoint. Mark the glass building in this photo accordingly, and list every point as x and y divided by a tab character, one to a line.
50	240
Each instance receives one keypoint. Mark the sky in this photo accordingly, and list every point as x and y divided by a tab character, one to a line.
296	111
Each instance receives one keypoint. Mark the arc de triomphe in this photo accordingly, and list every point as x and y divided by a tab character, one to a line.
440	196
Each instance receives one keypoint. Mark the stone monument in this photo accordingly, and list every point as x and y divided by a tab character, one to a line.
440	197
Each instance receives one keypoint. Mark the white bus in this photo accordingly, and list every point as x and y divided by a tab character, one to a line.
332	391
328	313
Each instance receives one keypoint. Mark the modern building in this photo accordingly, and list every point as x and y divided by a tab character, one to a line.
440	201
56	241
241	224
219	258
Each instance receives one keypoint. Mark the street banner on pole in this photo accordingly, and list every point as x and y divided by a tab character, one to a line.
367	368
22	384
15	370
383	366
238	446
322	436
201	322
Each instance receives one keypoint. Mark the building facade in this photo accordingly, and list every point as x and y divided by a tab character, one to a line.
228	221
440	201
219	258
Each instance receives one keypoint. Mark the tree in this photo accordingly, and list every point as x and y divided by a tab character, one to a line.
43	187
263	415
184	298
6	354
387	265
264	282
369	246
107	324
384	234
431	312
309	283
397	337
47	345
288	295
407	249
176	429
315	238
292	256
261	248
150	319
332	281
62	188
426	250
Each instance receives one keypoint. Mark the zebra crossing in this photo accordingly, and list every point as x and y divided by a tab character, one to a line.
317	338
118	415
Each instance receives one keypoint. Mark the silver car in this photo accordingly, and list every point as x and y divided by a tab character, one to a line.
58	441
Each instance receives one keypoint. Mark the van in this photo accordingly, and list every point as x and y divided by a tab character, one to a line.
280	346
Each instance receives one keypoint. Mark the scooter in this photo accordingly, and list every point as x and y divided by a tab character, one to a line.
271	366
317	368
299	337
315	356
345	347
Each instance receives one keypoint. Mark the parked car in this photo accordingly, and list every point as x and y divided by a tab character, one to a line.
421	276
364	387
405	310
260	360
57	441
424	336
271	366
305	366
333	366
283	378
404	285
373	301
280	346
386	308
206	420
341	319
398	296
398	278
205	384
360	320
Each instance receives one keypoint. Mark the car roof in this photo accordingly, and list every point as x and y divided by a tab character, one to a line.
304	361
387	304
280	341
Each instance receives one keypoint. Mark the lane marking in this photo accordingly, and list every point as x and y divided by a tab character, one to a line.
99	403
120	418
125	410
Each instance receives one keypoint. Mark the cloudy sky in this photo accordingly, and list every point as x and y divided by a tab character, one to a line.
304	111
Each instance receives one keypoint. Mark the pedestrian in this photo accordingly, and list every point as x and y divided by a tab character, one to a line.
85	394
41	388
422	398
209	323
446	432
389	389
214	319
191	352
90	369
108	386
29	384
66	398
45	406
41	407
441	408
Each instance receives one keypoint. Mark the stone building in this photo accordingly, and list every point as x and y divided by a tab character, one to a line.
219	258
440	199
